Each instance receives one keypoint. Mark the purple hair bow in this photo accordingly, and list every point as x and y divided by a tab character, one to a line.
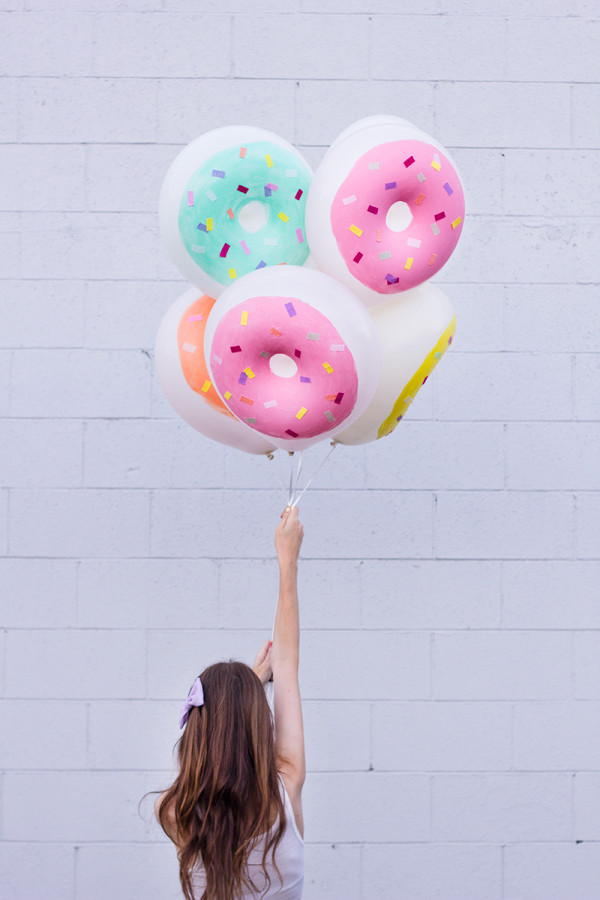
195	698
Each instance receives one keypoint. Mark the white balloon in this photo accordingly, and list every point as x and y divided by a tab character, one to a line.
414	330
293	353
193	405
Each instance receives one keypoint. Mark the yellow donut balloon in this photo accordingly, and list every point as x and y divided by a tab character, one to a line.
415	332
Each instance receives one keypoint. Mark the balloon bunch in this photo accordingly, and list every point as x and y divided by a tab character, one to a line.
312	316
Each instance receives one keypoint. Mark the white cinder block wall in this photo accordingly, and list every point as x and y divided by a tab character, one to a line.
451	613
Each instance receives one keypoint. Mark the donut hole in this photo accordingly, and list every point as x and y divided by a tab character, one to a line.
398	216
283	366
253	216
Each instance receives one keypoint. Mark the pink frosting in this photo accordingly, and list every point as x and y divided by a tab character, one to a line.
421	176
267	402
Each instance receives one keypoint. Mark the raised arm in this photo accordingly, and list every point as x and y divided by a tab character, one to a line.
289	733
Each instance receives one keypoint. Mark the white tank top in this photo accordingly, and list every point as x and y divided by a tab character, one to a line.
289	857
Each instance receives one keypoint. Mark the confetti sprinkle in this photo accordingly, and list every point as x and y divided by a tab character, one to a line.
299	235
374	166
218	173
236	349
196	318
275	332
242	189
390	185
261	264
331	397
272	187
329	416
249	372
209	224
419	199
391	279
355	230
373	209
435	165
337	348
268	191
265	354
244	317
385	255
408	162
448	189
301	412
299	193
439	216
197	249
189	348
271	242
269	160
251	421
246	400
290	432
269	404
435	229
232	273
230	213
347	200
413	242
283	217
243	378
432	259
358	257
456	222
421	177
211	195
338	398
206	387
201	226
217	359
304	379
243	152
290	309
378	235
410	260
297	353
190	198
328	368
245	247
312	336
437	355
224	250
227	395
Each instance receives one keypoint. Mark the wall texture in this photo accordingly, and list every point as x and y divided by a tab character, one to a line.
451	645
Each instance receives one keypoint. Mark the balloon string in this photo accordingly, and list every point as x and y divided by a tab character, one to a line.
292	486
310	481
297	477
280	479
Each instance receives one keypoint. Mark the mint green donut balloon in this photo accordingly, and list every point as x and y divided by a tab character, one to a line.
233	201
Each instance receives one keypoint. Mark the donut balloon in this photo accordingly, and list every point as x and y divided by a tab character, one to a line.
186	381
385	208
415	332
293	353
234	201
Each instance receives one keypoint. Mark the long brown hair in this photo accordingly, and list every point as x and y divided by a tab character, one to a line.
226	794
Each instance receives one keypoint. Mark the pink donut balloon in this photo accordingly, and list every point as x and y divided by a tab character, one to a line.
385	208
293	354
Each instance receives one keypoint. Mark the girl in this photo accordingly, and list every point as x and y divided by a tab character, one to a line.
234	811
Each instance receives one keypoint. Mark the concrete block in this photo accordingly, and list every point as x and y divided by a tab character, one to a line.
503	114
337	736
430	737
335	804
158	45
557	736
557	456
187	109
132	734
61	188
434	453
426	595
259	6
379	7
432	872
504	525
39	43
553	48
123	315
9	109
398	665
80	383
38	593
322	115
4	513
587	517
538	318
75	664
6	358
479	316
307	46
586	129
62	724
586	383
551	871
481	174
142	453
502	666
81	246
25	460
439	48
329	593
127	871
494	808
76	806
515	8
36	871
587	267
113	177
331	871
586	800
88	110
176	657
554	183
147	593
550	594
67	523
25	319
587	666
11	252
211	523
